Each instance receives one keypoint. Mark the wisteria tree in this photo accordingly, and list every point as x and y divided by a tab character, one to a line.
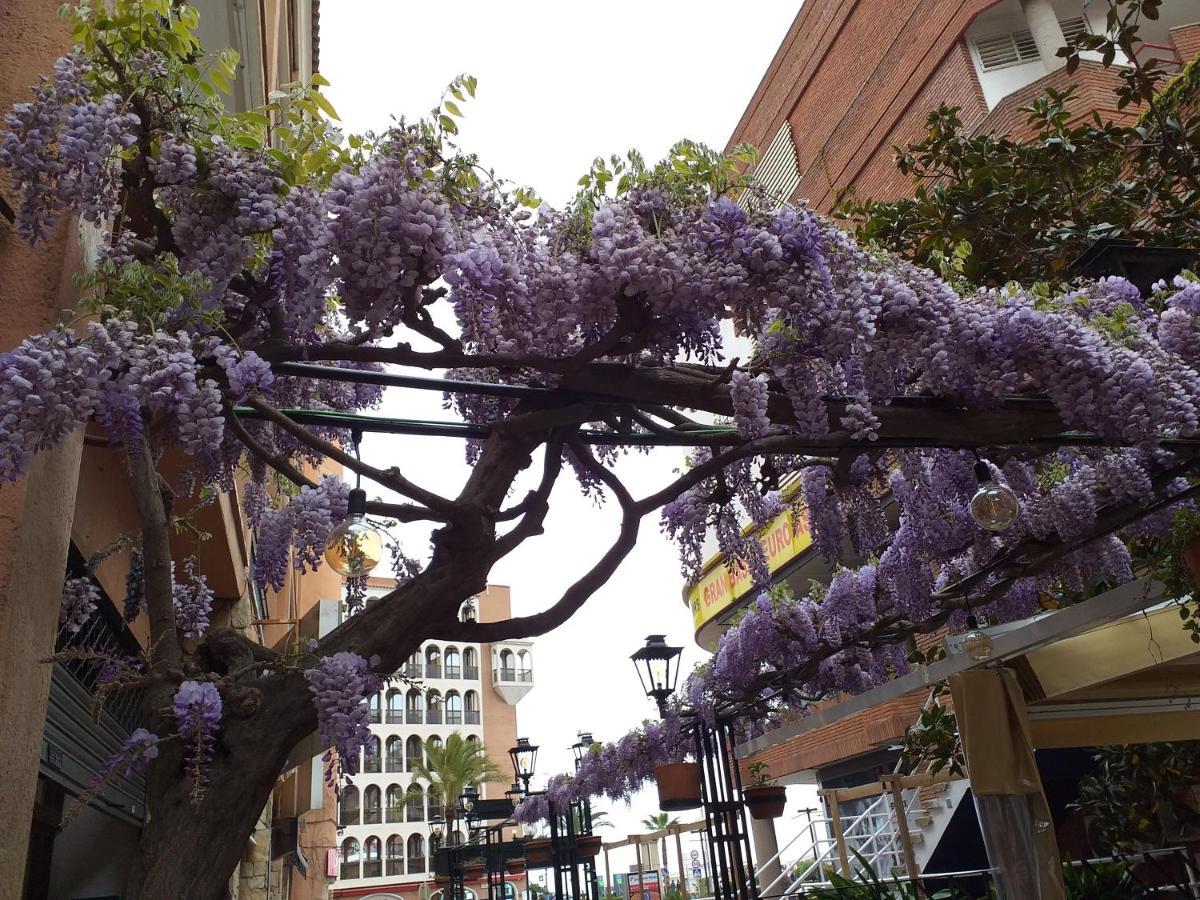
246	247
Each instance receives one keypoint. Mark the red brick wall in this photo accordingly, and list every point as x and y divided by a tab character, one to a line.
1186	39
1094	86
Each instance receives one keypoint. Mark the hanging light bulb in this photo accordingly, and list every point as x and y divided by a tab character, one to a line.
976	644
354	547
994	506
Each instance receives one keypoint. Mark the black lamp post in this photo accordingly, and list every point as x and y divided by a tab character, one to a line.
581	813
658	667
515	794
524	760
720	776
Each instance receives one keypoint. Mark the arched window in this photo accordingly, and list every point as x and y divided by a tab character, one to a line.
395	803
349	806
466	612
413	752
437	809
395	708
372	805
433	741
456	839
454	714
415	666
434	712
470	664
524	667
471	705
508	671
395	855
351	857
473	738
372	858
453	663
393	760
372	755
433	662
415	803
416	854
373	709
414	706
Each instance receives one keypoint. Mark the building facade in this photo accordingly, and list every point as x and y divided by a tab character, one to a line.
446	688
853	79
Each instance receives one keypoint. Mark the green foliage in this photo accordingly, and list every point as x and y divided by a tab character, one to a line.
869	886
1028	208
456	764
1140	796
158	295
933	743
1103	880
760	774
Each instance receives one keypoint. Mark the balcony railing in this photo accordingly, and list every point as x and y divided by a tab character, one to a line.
372	868
453	672
416	865
395	763
414	716
414	761
433	670
525	675
349	815
372	763
471	673
472	716
416	812
454	717
373	716
503	674
433	716
395	717
350	870
412	670
395	865
437	811
372	815
395	813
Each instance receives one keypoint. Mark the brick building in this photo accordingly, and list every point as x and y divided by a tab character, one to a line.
854	78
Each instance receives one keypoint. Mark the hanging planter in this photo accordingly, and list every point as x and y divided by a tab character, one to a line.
474	870
678	786
589	845
515	865
538	853
765	801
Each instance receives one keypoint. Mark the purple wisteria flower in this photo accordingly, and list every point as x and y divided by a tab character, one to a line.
197	707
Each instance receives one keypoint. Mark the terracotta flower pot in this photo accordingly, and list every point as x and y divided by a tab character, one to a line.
1189	558
765	801
515	865
589	845
538	854
474	870
678	786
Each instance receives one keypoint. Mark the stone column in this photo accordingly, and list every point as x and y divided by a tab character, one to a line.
1047	33
766	845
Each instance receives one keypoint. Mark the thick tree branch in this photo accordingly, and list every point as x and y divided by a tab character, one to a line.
537	503
165	650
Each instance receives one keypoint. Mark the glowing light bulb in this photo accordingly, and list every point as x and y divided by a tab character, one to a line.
976	644
354	547
994	506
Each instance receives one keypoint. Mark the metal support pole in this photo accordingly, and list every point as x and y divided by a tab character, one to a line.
641	888
683	891
607	874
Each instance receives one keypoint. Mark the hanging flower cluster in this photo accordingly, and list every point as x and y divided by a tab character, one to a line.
197	707
339	685
79	599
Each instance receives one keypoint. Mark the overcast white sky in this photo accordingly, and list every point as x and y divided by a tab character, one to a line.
560	83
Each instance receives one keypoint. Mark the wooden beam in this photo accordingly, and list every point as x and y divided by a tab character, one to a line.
906	844
839	837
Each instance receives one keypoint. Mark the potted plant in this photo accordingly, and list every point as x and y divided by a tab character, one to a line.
538	853
589	845
678	786
764	798
474	869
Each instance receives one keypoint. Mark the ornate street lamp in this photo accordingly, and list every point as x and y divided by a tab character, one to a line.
658	667
437	826
582	746
466	800
524	759
515	794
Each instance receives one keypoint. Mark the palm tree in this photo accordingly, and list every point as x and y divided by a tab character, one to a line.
454	765
660	822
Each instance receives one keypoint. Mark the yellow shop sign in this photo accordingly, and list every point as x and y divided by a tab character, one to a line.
724	583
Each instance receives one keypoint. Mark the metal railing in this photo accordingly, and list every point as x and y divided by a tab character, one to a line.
350	870
395	865
433	670
373	715
503	674
395	717
416	812
395	814
349	815
525	675
433	716
372	763
416	865
413	670
471	673
395	763
372	815
472	716
414	716
453	672
372	868
414	761
454	717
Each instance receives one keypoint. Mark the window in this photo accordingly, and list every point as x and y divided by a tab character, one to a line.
1074	28
416	854
351	856
415	665
454	713
372	754
395	708
414	753
524	667
414	707
372	805
395	855
508	671
372	858
452	668
433	663
416	804
436	807
394	761
466	612
349	807
471	700
434	713
395	803
1002	50
470	664
373	710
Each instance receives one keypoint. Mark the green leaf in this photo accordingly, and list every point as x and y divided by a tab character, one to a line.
219	80
447	124
319	80
452	108
326	106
